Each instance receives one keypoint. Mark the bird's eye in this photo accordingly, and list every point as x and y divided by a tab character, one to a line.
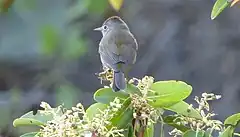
104	27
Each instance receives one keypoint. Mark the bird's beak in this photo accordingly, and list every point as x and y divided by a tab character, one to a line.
98	29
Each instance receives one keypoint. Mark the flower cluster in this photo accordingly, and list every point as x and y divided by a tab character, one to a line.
206	123
143	85
76	122
142	110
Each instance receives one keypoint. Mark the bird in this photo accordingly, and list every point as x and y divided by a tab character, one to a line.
118	50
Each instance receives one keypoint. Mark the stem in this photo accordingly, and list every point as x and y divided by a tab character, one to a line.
237	134
94	134
162	133
134	126
141	132
211	131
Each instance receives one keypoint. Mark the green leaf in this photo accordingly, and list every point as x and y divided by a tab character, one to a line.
184	108
130	131
106	95
191	133
218	7
233	120
124	115
31	134
149	132
167	93
132	89
50	39
228	132
94	109
30	119
38	119
172	121
26	122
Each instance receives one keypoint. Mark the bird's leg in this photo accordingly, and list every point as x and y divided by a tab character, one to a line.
107	75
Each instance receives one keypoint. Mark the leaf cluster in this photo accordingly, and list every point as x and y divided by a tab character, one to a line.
136	111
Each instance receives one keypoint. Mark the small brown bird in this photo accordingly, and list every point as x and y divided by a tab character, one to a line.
117	49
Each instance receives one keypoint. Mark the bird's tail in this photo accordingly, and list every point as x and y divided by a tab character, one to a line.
119	82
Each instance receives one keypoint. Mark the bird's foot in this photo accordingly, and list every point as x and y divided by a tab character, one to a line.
106	75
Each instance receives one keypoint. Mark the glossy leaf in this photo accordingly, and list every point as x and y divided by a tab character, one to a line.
31	134
228	132
94	109
218	7
149	132
124	115
106	95
132	89
167	93
191	133
26	122
38	119
232	120
172	121
184	108
116	4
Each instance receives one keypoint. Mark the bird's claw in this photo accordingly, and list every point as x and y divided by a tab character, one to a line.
106	75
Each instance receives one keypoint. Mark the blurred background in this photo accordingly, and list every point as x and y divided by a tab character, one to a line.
49	51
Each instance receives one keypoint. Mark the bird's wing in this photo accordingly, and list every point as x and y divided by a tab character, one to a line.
126	47
117	49
108	58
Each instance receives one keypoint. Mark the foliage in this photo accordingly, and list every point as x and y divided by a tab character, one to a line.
220	5
116	4
133	113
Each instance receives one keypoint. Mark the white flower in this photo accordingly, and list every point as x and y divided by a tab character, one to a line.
218	96
87	134
45	105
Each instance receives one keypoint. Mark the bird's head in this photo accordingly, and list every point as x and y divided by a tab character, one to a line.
112	23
